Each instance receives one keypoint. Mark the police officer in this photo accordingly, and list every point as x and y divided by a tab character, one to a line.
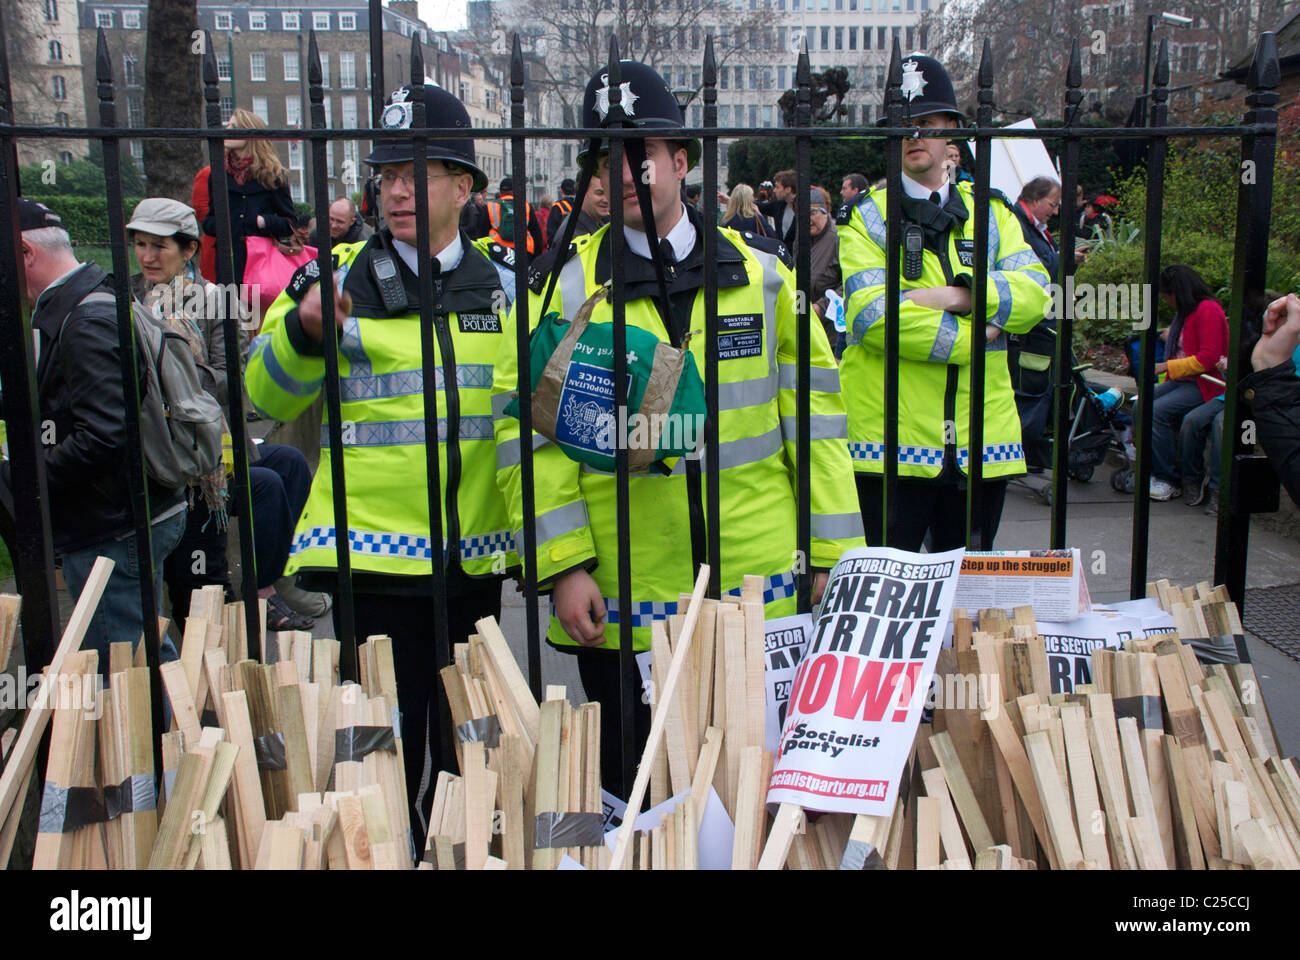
383	379
934	335
575	505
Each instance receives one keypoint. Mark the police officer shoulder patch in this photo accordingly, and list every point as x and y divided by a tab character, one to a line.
769	245
996	194
501	254
844	214
540	268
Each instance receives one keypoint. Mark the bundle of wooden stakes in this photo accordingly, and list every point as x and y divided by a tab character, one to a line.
267	765
1158	763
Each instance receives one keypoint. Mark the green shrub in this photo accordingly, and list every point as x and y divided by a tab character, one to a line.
86	218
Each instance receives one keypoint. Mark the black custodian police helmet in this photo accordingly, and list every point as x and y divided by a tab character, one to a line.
441	109
646	100
926	90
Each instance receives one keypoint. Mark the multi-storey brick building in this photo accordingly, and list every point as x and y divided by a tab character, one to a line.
261	53
45	66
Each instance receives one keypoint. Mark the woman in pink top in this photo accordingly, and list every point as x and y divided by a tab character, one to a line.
1194	342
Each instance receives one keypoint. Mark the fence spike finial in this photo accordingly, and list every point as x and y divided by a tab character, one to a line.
417	61
314	75
984	97
615	81
516	62
103	62
985	78
1073	81
710	66
1265	73
1162	65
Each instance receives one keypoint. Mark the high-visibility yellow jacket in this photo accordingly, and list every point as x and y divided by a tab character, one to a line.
575	503
382	385
935	345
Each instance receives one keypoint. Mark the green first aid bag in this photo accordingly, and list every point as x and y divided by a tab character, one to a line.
572	365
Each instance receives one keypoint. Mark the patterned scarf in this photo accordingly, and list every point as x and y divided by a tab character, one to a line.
238	167
175	305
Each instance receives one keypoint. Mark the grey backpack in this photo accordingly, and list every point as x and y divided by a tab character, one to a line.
180	422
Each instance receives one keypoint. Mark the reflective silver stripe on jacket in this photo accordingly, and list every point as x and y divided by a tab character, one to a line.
836	526
404	383
821	379
394	433
559	521
508	450
821	426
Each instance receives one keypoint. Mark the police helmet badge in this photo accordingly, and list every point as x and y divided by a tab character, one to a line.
628	100
397	115
913	81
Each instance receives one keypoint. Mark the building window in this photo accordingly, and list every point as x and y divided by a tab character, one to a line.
52	12
130	19
65	156
225	21
490	100
292	70
227	108
135	111
767	115
137	151
826	38
911	6
257	66
347	21
850	118
566	156
293	111
781	77
223	65
464	92
104	18
61	119
60	89
695	116
289	21
261	109
853	38
724	116
881	33
320	21
56	50
130	70
324	69
925	36
911	35
329	118
880	78
866	38
349	117
256	20
753	115
724	80
348	71
839	38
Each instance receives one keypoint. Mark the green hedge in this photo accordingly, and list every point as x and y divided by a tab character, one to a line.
86	218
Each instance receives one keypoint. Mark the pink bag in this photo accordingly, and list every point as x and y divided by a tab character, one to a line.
268	271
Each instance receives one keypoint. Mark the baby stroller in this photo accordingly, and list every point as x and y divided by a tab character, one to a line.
1097	421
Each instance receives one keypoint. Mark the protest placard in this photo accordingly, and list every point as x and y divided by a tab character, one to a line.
859	691
784	641
1050	581
1070	645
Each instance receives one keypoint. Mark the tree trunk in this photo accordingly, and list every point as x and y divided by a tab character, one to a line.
173	97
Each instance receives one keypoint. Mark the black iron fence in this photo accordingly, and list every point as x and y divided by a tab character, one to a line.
1245	480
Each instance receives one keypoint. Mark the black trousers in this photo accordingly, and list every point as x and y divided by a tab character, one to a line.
408	620
934	506
599	671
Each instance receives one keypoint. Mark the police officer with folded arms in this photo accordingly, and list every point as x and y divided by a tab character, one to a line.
577	544
383	378
935	325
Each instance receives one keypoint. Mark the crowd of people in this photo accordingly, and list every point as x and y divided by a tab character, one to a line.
384	377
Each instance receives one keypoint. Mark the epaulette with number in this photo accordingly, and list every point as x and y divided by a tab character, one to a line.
769	245
540	269
844	213
303	278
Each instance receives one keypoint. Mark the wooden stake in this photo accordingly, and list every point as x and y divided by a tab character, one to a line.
619	859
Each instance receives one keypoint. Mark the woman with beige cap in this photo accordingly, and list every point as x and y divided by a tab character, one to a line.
164	235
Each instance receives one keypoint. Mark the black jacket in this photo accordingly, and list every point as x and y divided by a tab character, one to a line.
1274	397
474	220
774	210
247	203
558	213
79	391
1044	250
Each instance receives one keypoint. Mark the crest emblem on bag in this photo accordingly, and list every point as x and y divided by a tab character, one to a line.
629	98
913	81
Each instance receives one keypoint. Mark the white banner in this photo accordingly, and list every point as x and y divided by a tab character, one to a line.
859	691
